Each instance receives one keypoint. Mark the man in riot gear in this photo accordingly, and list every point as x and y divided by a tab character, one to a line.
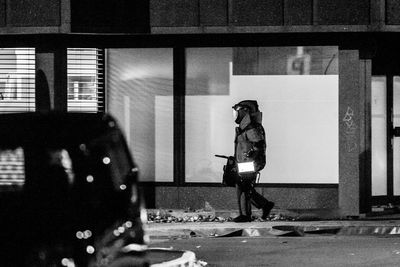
250	146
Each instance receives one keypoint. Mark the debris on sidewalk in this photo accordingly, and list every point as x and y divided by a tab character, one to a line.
159	217
168	257
174	216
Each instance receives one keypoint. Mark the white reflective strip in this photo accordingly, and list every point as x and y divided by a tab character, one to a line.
246	167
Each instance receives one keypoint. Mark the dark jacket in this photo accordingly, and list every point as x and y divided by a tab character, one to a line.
250	144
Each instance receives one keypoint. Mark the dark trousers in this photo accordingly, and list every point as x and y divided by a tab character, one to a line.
247	195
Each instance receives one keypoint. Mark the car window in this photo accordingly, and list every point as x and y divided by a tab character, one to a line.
12	167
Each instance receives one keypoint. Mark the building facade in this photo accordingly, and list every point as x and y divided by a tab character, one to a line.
324	72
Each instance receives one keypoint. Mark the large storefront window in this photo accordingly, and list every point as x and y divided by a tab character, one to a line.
17	80
297	91
140	89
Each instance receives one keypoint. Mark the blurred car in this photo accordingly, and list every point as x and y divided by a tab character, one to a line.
68	192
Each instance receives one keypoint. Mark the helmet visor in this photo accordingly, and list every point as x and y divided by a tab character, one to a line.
235	114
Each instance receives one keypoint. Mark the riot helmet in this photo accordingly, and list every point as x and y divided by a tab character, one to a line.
243	108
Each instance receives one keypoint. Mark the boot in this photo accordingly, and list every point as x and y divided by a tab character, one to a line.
267	209
242	218
260	202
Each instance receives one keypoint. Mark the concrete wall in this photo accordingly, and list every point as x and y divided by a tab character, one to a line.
349	131
180	16
34	16
225	197
110	16
354	178
189	13
33	13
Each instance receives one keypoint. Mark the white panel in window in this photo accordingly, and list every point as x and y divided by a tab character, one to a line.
300	111
396	140
378	136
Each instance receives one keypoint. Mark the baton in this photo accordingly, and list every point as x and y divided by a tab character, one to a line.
221	156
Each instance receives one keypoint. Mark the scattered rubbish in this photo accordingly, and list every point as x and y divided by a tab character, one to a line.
379	210
202	263
160	248
187	258
192	234
198	246
204	215
244	241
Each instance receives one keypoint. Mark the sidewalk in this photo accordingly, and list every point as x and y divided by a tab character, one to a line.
174	224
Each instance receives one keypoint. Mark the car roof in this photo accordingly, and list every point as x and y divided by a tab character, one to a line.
52	128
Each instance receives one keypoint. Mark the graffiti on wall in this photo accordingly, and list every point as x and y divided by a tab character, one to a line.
350	130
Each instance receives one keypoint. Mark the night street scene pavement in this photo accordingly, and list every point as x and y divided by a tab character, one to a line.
281	240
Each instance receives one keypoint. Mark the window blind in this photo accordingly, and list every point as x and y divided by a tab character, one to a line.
85	80
17	80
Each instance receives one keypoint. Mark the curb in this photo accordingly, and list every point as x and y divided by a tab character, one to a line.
272	230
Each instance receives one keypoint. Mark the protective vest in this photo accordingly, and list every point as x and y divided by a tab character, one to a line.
250	143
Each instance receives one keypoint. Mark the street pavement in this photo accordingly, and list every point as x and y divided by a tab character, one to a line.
316	250
168	225
279	224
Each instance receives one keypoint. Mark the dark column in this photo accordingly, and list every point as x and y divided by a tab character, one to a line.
354	91
51	72
179	115
349	132
365	135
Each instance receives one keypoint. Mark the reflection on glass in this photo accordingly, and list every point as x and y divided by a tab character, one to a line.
300	60
140	96
378	136
297	90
